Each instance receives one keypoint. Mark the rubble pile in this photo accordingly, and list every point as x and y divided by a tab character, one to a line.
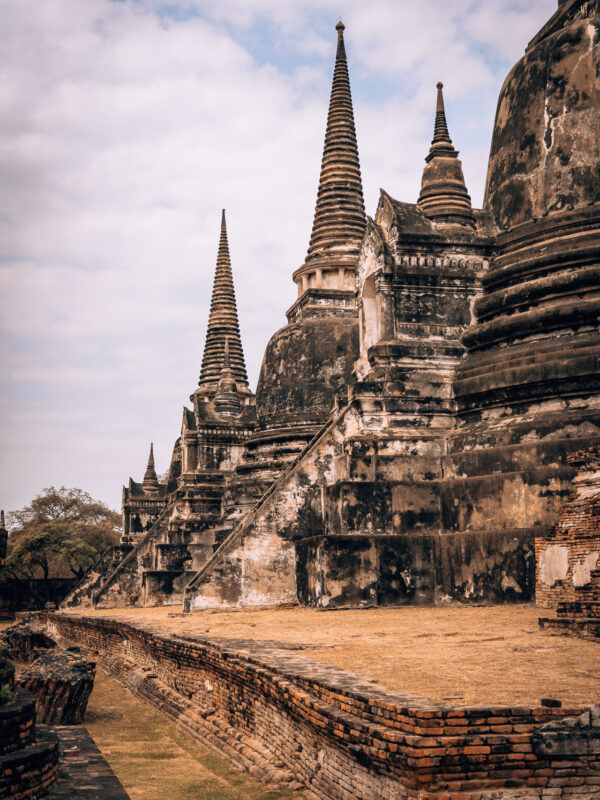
61	682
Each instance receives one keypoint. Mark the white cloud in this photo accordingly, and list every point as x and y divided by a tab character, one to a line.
126	130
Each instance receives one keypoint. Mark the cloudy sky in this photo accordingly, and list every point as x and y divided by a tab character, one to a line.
127	125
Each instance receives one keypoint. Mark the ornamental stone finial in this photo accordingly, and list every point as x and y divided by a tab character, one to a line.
444	195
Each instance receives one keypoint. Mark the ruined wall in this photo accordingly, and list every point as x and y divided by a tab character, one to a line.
351	524
28	754
340	737
567	557
565	561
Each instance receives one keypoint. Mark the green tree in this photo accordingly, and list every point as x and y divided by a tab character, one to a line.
60	534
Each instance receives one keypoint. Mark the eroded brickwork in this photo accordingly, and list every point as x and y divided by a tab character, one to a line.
338	736
28	756
568	560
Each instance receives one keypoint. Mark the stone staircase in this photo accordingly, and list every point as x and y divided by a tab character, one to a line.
96	575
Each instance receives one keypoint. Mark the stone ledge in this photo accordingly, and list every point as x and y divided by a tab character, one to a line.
588	627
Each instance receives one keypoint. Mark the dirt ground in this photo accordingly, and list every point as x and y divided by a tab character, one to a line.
465	655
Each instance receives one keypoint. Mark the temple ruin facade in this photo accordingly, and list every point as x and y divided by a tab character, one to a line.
412	432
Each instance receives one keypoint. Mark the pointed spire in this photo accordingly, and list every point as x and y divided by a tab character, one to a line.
339	220
227	401
440	130
444	197
223	322
150	482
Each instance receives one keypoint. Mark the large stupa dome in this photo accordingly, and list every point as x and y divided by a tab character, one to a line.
545	154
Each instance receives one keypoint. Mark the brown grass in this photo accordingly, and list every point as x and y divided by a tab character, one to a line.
466	655
155	760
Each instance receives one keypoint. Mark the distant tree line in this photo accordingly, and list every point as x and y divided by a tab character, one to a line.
60	534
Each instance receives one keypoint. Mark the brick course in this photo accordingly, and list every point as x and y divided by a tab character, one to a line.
324	728
28	757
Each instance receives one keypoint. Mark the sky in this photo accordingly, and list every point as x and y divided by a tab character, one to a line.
127	125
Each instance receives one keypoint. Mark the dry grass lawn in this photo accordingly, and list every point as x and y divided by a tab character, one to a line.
153	759
466	655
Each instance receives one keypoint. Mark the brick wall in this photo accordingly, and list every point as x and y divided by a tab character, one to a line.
28	756
17	723
338	737
567	558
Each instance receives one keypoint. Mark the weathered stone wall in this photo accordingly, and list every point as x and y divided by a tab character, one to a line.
351	524
341	738
338	571
305	365
255	565
545	154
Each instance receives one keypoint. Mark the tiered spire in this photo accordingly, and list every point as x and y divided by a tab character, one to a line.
227	401
339	220
444	195
223	323
441	135
150	482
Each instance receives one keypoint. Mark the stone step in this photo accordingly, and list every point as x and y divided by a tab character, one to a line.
579	626
577	608
520	355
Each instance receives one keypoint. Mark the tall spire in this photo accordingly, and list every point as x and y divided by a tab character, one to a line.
150	482
223	322
440	129
339	220
444	197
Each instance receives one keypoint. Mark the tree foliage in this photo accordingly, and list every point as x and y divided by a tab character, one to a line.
60	534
